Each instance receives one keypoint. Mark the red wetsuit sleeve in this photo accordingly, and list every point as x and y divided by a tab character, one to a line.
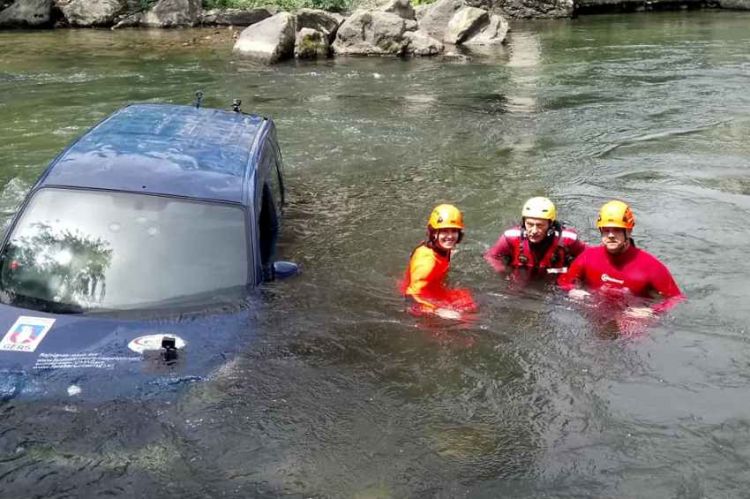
569	279
665	285
499	255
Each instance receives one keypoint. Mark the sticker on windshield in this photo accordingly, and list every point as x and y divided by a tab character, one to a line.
153	342
26	334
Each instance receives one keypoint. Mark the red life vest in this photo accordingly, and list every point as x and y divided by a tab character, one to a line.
558	254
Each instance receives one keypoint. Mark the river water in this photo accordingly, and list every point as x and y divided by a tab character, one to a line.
346	395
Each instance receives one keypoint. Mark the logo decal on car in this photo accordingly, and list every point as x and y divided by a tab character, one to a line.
26	334
153	342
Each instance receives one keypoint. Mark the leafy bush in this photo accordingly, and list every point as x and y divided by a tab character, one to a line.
288	5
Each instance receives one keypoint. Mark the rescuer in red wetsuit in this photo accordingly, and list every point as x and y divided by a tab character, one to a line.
424	282
617	270
540	244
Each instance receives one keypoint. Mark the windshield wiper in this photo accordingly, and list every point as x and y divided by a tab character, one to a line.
39	304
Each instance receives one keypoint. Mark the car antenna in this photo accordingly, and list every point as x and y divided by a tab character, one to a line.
236	105
198	99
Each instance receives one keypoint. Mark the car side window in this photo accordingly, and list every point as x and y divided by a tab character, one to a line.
274	178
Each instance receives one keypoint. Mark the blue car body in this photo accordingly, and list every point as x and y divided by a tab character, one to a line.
208	160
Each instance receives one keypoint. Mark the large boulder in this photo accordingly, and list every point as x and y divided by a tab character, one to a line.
311	44
369	32
434	19
492	33
172	13
270	40
401	8
86	13
235	17
422	44
465	23
27	14
319	20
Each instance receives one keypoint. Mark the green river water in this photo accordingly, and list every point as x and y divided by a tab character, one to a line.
344	394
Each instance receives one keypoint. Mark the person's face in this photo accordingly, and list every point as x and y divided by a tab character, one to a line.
536	229
615	239
447	238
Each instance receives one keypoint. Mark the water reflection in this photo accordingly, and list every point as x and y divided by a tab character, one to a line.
56	266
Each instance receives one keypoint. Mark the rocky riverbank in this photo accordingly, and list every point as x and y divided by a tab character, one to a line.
391	28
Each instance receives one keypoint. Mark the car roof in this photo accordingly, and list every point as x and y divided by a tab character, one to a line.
164	149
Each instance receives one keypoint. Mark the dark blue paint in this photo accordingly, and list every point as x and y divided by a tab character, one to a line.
165	150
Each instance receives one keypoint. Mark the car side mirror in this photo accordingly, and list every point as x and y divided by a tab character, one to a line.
283	269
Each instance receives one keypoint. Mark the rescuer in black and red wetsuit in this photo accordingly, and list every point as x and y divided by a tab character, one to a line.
540	244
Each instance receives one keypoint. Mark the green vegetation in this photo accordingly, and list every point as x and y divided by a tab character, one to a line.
288	5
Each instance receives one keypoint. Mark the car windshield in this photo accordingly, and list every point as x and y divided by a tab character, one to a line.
77	251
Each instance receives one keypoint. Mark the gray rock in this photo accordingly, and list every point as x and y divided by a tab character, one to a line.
538	9
235	17
27	14
735	4
401	8
464	24
372	32
172	13
420	10
437	16
311	44
422	44
325	22
87	13
270	40
493	33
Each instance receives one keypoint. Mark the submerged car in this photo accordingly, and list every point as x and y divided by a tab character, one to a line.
130	264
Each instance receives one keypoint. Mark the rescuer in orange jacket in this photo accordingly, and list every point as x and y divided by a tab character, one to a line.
618	272
540	244
424	282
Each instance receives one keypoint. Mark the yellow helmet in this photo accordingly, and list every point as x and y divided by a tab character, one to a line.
446	216
539	207
616	214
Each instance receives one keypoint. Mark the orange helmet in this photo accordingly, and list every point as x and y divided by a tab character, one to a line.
616	214
446	216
